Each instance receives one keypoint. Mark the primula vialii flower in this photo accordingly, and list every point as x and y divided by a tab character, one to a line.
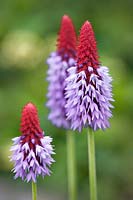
89	90
31	152
58	62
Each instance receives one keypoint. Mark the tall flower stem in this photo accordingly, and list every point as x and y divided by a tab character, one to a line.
34	191
71	166
92	165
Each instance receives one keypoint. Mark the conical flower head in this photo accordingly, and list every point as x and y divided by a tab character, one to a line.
66	43
58	63
30	125
89	90
87	50
31	152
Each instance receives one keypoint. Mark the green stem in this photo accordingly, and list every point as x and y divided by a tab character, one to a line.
34	191
92	166
71	166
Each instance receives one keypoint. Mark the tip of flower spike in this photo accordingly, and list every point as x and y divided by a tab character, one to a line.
87	49
30	124
30	106
66	17
66	43
86	23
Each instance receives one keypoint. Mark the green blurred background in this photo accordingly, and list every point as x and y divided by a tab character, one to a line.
28	32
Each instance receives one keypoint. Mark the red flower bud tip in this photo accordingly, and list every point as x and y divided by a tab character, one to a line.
30	126
66	43
87	50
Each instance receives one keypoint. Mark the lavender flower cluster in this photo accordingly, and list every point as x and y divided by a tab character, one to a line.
57	73
31	162
88	104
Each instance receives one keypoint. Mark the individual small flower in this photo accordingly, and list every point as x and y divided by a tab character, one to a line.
58	62
32	151
89	89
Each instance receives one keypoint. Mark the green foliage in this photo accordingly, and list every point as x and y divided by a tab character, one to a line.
27	35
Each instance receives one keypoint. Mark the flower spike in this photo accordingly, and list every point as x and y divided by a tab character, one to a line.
31	152
89	89
58	62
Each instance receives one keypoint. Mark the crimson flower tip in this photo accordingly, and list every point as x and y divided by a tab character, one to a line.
30	124
87	54
87	23
30	105
66	43
66	17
